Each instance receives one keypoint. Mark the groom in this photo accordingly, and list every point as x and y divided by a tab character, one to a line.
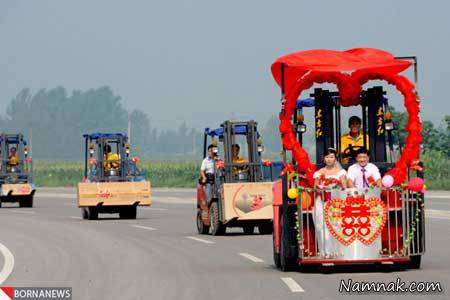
363	174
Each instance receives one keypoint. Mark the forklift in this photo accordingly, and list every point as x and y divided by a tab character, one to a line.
16	171
111	185
241	190
400	238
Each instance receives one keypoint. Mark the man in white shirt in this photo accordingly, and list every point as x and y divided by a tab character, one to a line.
363	174
207	171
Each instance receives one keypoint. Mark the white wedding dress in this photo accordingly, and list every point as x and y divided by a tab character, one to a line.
327	245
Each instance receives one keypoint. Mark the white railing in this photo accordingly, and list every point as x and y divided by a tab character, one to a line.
356	224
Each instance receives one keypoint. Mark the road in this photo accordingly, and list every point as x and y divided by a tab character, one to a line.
161	256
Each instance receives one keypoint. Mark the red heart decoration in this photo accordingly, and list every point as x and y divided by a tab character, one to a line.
383	67
355	218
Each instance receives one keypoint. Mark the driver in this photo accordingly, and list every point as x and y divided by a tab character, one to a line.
242	163
111	159
13	159
354	138
236	159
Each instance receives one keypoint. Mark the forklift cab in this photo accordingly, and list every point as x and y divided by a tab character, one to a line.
238	148
16	164
377	127
107	158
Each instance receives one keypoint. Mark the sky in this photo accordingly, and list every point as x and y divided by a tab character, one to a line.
204	61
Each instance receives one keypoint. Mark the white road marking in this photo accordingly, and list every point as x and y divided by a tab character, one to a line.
438	217
154	208
70	204
437	214
437	196
440	203
292	285
143	227
251	257
76	218
8	264
200	240
30	212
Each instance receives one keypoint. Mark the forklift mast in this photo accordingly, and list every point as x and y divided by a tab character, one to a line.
324	121
254	158
328	123
373	100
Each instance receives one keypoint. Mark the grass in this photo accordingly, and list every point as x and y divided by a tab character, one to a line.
160	173
185	173
437	170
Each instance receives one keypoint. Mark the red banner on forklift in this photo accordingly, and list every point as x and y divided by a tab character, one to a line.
299	63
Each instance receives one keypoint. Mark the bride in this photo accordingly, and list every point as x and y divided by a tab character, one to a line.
332	175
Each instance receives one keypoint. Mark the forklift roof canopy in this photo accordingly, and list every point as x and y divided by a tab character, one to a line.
13	139
98	135
299	63
239	129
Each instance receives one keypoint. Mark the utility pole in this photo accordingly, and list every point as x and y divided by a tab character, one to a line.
31	141
193	143
129	129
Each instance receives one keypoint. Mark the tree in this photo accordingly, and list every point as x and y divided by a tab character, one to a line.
140	133
57	120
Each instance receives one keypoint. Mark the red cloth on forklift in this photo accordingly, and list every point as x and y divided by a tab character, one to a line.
349	70
299	63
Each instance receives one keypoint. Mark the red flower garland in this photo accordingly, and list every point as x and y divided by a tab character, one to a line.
327	182
350	87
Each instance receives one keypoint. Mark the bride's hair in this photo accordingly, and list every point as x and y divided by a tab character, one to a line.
330	151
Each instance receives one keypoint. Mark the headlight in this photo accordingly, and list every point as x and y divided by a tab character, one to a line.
301	128
389	126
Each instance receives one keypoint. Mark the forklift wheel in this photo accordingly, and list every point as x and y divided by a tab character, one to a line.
248	229
201	227
26	202
217	228
84	213
265	228
128	212
288	263
415	262
92	213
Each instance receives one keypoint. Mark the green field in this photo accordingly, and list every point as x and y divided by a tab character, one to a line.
185	173
160	173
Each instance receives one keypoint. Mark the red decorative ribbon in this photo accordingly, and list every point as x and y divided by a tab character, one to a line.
350	87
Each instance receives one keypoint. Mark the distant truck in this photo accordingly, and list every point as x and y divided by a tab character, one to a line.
112	182
16	171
